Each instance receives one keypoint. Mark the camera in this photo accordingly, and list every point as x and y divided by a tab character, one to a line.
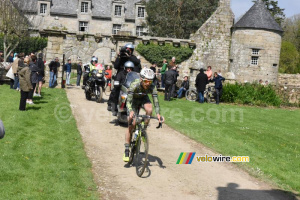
123	52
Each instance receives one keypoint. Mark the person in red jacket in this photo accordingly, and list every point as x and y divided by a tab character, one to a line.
108	76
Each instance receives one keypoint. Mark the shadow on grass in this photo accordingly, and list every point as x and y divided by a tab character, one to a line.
231	192
40	102
33	108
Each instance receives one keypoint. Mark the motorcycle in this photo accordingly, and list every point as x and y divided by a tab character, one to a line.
122	110
95	85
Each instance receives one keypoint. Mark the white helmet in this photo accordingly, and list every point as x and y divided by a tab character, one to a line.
130	46
94	59
129	64
147	73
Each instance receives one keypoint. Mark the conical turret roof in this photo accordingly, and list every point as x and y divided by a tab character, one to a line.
258	17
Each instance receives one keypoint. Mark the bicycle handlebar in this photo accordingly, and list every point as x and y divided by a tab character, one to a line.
147	117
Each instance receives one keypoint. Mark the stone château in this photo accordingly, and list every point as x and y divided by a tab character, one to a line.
246	51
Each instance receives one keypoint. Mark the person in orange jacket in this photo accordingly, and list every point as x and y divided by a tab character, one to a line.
108	76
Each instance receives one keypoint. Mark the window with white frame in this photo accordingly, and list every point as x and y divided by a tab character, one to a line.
139	31
112	54
84	7
255	51
118	10
141	12
116	28
83	26
43	8
254	60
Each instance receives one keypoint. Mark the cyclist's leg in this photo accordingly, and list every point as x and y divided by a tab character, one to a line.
148	108
129	131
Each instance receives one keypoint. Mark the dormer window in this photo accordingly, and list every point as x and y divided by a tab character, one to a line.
118	10
84	7
141	12
255	51
43	8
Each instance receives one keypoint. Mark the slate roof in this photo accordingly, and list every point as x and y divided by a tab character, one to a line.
100	8
258	17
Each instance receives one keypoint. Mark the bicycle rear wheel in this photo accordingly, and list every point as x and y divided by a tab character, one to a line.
141	154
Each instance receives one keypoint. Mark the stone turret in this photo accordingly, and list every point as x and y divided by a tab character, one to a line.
255	47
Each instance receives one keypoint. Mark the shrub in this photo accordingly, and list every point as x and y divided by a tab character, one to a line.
156	53
250	94
27	45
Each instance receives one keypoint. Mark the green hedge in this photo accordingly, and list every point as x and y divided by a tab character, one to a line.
27	45
156	53
250	94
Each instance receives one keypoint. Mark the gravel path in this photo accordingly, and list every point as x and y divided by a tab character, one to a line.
104	144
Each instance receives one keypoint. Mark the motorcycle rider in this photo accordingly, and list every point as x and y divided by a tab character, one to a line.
93	65
120	79
138	97
126	54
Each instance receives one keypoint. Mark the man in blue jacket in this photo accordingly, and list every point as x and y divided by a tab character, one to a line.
218	86
68	68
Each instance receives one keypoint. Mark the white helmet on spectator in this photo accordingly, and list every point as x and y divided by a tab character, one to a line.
129	64
147	74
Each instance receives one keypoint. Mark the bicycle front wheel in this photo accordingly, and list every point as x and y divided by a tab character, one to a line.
141	154
191	95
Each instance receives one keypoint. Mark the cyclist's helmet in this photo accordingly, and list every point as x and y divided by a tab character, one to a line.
147	74
129	64
94	59
130	46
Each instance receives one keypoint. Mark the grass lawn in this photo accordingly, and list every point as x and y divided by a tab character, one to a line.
42	156
271	137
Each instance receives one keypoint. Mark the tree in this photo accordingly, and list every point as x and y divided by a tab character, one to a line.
275	10
177	18
289	58
13	24
291	27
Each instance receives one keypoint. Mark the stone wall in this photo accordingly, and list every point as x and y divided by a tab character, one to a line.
289	86
267	42
212	43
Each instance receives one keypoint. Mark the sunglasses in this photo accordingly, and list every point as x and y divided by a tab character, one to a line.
147	81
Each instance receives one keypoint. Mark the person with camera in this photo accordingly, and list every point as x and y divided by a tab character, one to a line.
126	54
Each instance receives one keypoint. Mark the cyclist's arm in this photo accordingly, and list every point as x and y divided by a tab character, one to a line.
129	100
155	100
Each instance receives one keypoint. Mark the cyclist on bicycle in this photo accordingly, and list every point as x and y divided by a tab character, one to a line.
137	98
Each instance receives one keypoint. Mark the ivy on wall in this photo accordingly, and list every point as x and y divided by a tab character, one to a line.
156	53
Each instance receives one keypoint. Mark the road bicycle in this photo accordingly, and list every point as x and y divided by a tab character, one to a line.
139	146
209	94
